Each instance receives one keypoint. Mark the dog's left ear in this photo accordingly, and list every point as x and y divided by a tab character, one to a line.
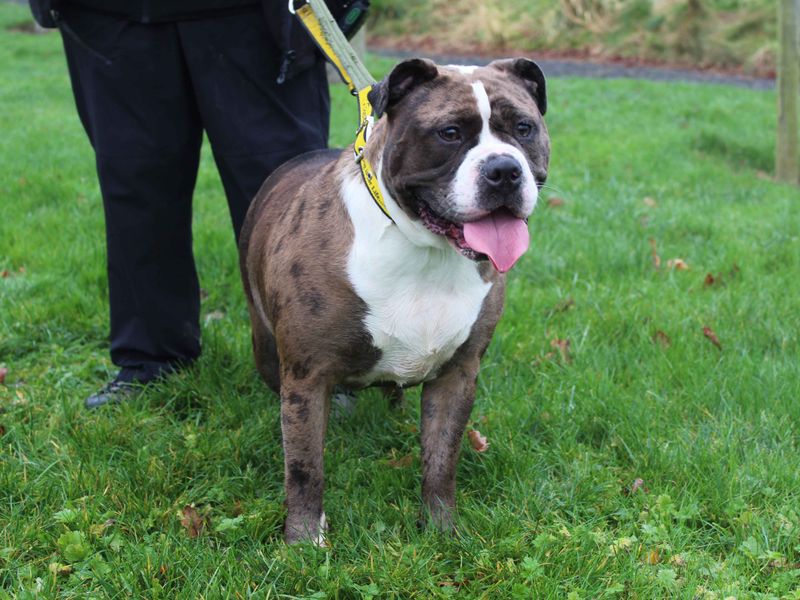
404	77
531	76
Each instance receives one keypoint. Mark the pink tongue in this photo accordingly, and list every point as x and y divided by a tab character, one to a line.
501	236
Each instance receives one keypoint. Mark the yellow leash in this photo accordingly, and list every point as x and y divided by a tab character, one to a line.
319	23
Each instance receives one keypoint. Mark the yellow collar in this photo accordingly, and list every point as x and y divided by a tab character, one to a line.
320	25
360	150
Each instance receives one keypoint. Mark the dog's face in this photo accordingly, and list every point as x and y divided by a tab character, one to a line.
466	151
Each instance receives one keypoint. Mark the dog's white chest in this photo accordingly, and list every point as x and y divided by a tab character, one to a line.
421	300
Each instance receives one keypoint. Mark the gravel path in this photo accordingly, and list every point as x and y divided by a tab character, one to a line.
576	68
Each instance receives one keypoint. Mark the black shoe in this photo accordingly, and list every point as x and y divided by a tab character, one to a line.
114	392
131	381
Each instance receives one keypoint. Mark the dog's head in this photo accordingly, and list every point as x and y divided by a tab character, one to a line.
466	151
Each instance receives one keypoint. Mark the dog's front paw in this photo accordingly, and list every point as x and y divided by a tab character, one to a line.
302	528
437	516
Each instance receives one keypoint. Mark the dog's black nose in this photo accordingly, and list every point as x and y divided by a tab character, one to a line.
502	172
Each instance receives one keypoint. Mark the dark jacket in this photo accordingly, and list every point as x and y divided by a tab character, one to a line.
298	51
143	11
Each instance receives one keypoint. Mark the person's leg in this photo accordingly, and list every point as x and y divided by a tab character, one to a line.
138	110
254	125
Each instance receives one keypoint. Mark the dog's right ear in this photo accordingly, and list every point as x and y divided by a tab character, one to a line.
404	77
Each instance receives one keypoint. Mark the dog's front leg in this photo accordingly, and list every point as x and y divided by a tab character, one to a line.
446	406
304	418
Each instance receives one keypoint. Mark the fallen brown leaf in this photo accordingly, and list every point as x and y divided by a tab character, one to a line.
650	202
678	264
637	486
563	306
555	202
192	521
2	430
709	280
214	315
4	273
652	557
58	569
563	349
541	359
3	373
654	252
678	560
709	333
662	339
478	442
402	462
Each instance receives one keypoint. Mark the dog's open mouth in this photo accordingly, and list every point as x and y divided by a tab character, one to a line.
500	236
452	231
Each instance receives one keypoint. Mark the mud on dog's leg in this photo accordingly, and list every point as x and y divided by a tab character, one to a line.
304	419
446	406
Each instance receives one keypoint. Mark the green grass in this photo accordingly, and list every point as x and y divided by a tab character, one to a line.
90	502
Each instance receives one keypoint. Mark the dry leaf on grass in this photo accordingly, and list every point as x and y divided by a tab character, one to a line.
478	442
3	373
57	569
214	315
652	557
555	202
678	264
541	359
192	521
678	560
637	486
402	462
709	280
709	333
654	253
650	202
563	349
662	339
562	306
4	273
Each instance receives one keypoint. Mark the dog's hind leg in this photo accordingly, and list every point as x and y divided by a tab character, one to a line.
394	394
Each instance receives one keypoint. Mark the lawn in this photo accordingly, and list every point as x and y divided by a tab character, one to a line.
642	419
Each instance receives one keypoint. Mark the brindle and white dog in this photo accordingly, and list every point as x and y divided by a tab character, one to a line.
341	295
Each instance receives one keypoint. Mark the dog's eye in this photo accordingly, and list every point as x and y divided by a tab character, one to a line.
524	129
450	134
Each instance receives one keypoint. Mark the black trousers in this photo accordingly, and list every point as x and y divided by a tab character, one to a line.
145	93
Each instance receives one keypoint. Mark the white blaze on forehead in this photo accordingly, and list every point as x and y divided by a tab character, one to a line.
484	106
463	192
